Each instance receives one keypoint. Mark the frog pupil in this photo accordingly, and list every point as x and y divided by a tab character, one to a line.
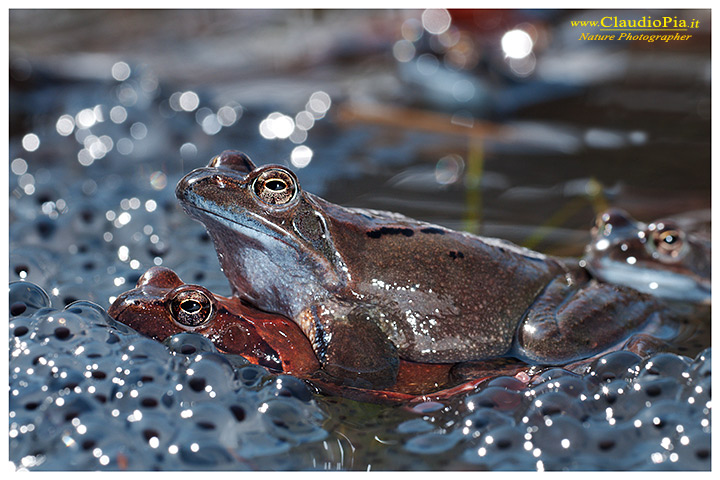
275	185
190	306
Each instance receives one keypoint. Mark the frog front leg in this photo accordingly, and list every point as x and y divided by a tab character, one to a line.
350	345
576	318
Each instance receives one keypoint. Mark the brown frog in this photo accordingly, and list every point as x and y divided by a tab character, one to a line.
369	288
661	258
161	305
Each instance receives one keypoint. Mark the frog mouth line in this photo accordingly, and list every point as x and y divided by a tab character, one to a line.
280	235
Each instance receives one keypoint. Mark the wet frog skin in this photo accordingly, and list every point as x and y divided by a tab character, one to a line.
659	258
161	305
369	288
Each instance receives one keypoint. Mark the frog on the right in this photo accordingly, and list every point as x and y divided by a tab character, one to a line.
659	258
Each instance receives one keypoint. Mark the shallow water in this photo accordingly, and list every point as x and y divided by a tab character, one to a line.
92	207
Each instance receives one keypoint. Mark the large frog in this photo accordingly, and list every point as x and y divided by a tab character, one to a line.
369	288
661	258
161	305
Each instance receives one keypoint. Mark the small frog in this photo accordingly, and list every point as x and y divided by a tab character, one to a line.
161	305
659	258
369	288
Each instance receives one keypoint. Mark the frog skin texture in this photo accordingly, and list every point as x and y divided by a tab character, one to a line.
660	258
369	288
161	305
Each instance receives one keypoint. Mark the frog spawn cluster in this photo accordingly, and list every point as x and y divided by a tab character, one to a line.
624	413
88	393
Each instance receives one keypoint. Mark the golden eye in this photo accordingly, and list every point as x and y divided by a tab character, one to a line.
667	239
191	308
275	187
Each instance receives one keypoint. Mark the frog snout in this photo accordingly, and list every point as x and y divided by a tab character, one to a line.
187	184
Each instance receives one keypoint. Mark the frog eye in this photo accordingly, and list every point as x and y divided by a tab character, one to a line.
667	239
275	187
191	307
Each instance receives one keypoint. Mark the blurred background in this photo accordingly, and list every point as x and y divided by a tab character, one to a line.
498	122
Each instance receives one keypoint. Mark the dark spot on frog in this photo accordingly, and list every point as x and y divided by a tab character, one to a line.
379	232
433	230
454	254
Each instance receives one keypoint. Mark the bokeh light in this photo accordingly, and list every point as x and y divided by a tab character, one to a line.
436	20
319	104
277	125
118	114
18	166
301	156
31	142
403	50
65	125
188	101
120	71
449	169
517	43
